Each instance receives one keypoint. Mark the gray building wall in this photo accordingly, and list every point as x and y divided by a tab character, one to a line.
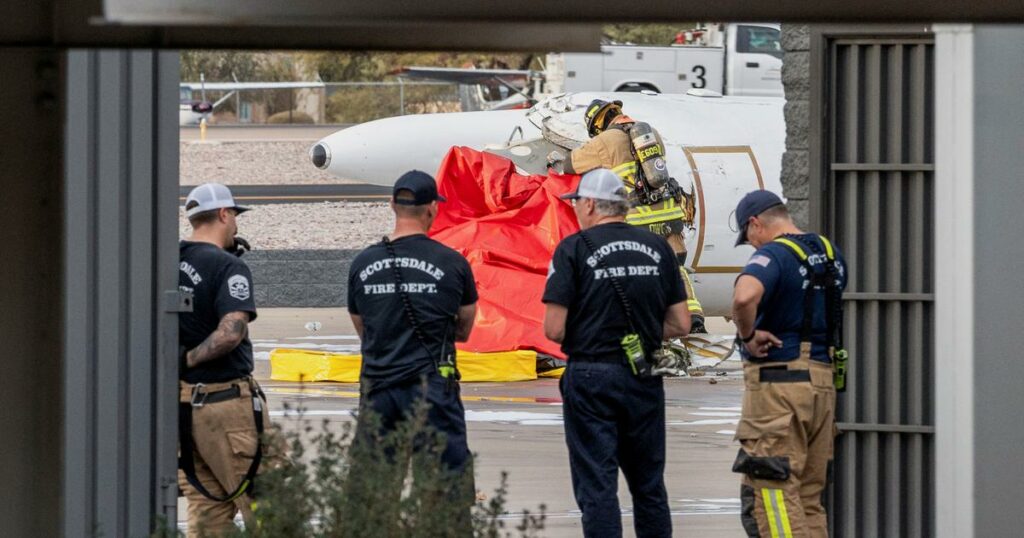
796	81
998	129
300	278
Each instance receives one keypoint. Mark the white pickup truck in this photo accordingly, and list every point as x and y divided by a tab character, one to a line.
730	59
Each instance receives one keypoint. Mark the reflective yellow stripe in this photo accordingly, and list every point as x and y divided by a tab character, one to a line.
796	248
692	304
828	247
781	501
766	498
241	491
628	165
627	172
652	216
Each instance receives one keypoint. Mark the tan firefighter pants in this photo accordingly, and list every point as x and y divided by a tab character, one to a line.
786	434
224	439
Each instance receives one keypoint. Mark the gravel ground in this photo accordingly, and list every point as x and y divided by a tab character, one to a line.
328	225
251	163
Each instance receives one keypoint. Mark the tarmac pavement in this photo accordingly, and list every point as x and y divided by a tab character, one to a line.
517	427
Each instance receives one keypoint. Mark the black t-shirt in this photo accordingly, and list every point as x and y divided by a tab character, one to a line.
437	281
220	283
647	269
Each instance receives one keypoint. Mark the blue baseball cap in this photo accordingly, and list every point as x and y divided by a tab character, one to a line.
421	185
751	205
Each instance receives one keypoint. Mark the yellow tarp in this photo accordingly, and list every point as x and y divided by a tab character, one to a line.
310	366
555	373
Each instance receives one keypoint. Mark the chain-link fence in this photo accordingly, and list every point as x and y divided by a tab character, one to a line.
332	102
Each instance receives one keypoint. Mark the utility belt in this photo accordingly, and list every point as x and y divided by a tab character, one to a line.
199	395
802	369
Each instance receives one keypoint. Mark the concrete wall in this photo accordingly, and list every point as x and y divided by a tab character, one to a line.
796	82
998	221
300	278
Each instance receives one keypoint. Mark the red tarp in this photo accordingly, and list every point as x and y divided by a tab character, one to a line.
507	225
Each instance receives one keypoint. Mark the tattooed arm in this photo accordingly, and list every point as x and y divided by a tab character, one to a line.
233	328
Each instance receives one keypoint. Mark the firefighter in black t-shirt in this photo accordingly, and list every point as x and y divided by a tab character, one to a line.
411	299
223	411
613	294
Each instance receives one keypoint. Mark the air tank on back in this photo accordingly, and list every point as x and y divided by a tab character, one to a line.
651	154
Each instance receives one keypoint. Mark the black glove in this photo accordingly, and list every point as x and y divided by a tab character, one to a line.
241	246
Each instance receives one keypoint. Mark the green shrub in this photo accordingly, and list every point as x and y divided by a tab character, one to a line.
386	485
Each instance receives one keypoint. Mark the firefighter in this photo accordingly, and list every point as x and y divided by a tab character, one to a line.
613	293
224	424
611	147
411	299
787	310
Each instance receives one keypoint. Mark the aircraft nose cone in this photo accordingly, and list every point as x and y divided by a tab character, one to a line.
320	155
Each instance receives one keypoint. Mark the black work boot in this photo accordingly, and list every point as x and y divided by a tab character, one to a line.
697	324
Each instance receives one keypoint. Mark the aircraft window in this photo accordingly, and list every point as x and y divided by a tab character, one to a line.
758	39
185	94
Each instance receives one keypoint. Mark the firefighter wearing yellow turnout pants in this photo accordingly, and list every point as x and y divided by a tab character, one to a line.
787	306
611	147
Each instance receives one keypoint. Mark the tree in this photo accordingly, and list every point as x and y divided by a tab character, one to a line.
218	65
230	65
366	66
645	34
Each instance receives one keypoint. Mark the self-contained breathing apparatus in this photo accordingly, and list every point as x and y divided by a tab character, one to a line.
652	182
650	154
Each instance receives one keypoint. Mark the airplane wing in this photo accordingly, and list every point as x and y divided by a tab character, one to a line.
469	75
235	86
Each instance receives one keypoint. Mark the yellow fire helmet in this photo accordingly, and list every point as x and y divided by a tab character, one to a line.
599	113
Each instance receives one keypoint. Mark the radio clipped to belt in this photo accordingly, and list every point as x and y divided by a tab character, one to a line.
631	344
828	281
445	362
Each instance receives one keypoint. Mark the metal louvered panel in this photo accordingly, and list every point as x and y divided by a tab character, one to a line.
120	391
878	200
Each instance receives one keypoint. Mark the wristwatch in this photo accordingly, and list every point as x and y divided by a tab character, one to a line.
747	339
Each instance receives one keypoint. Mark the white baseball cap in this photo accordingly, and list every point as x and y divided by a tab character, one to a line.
599	184
210	196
